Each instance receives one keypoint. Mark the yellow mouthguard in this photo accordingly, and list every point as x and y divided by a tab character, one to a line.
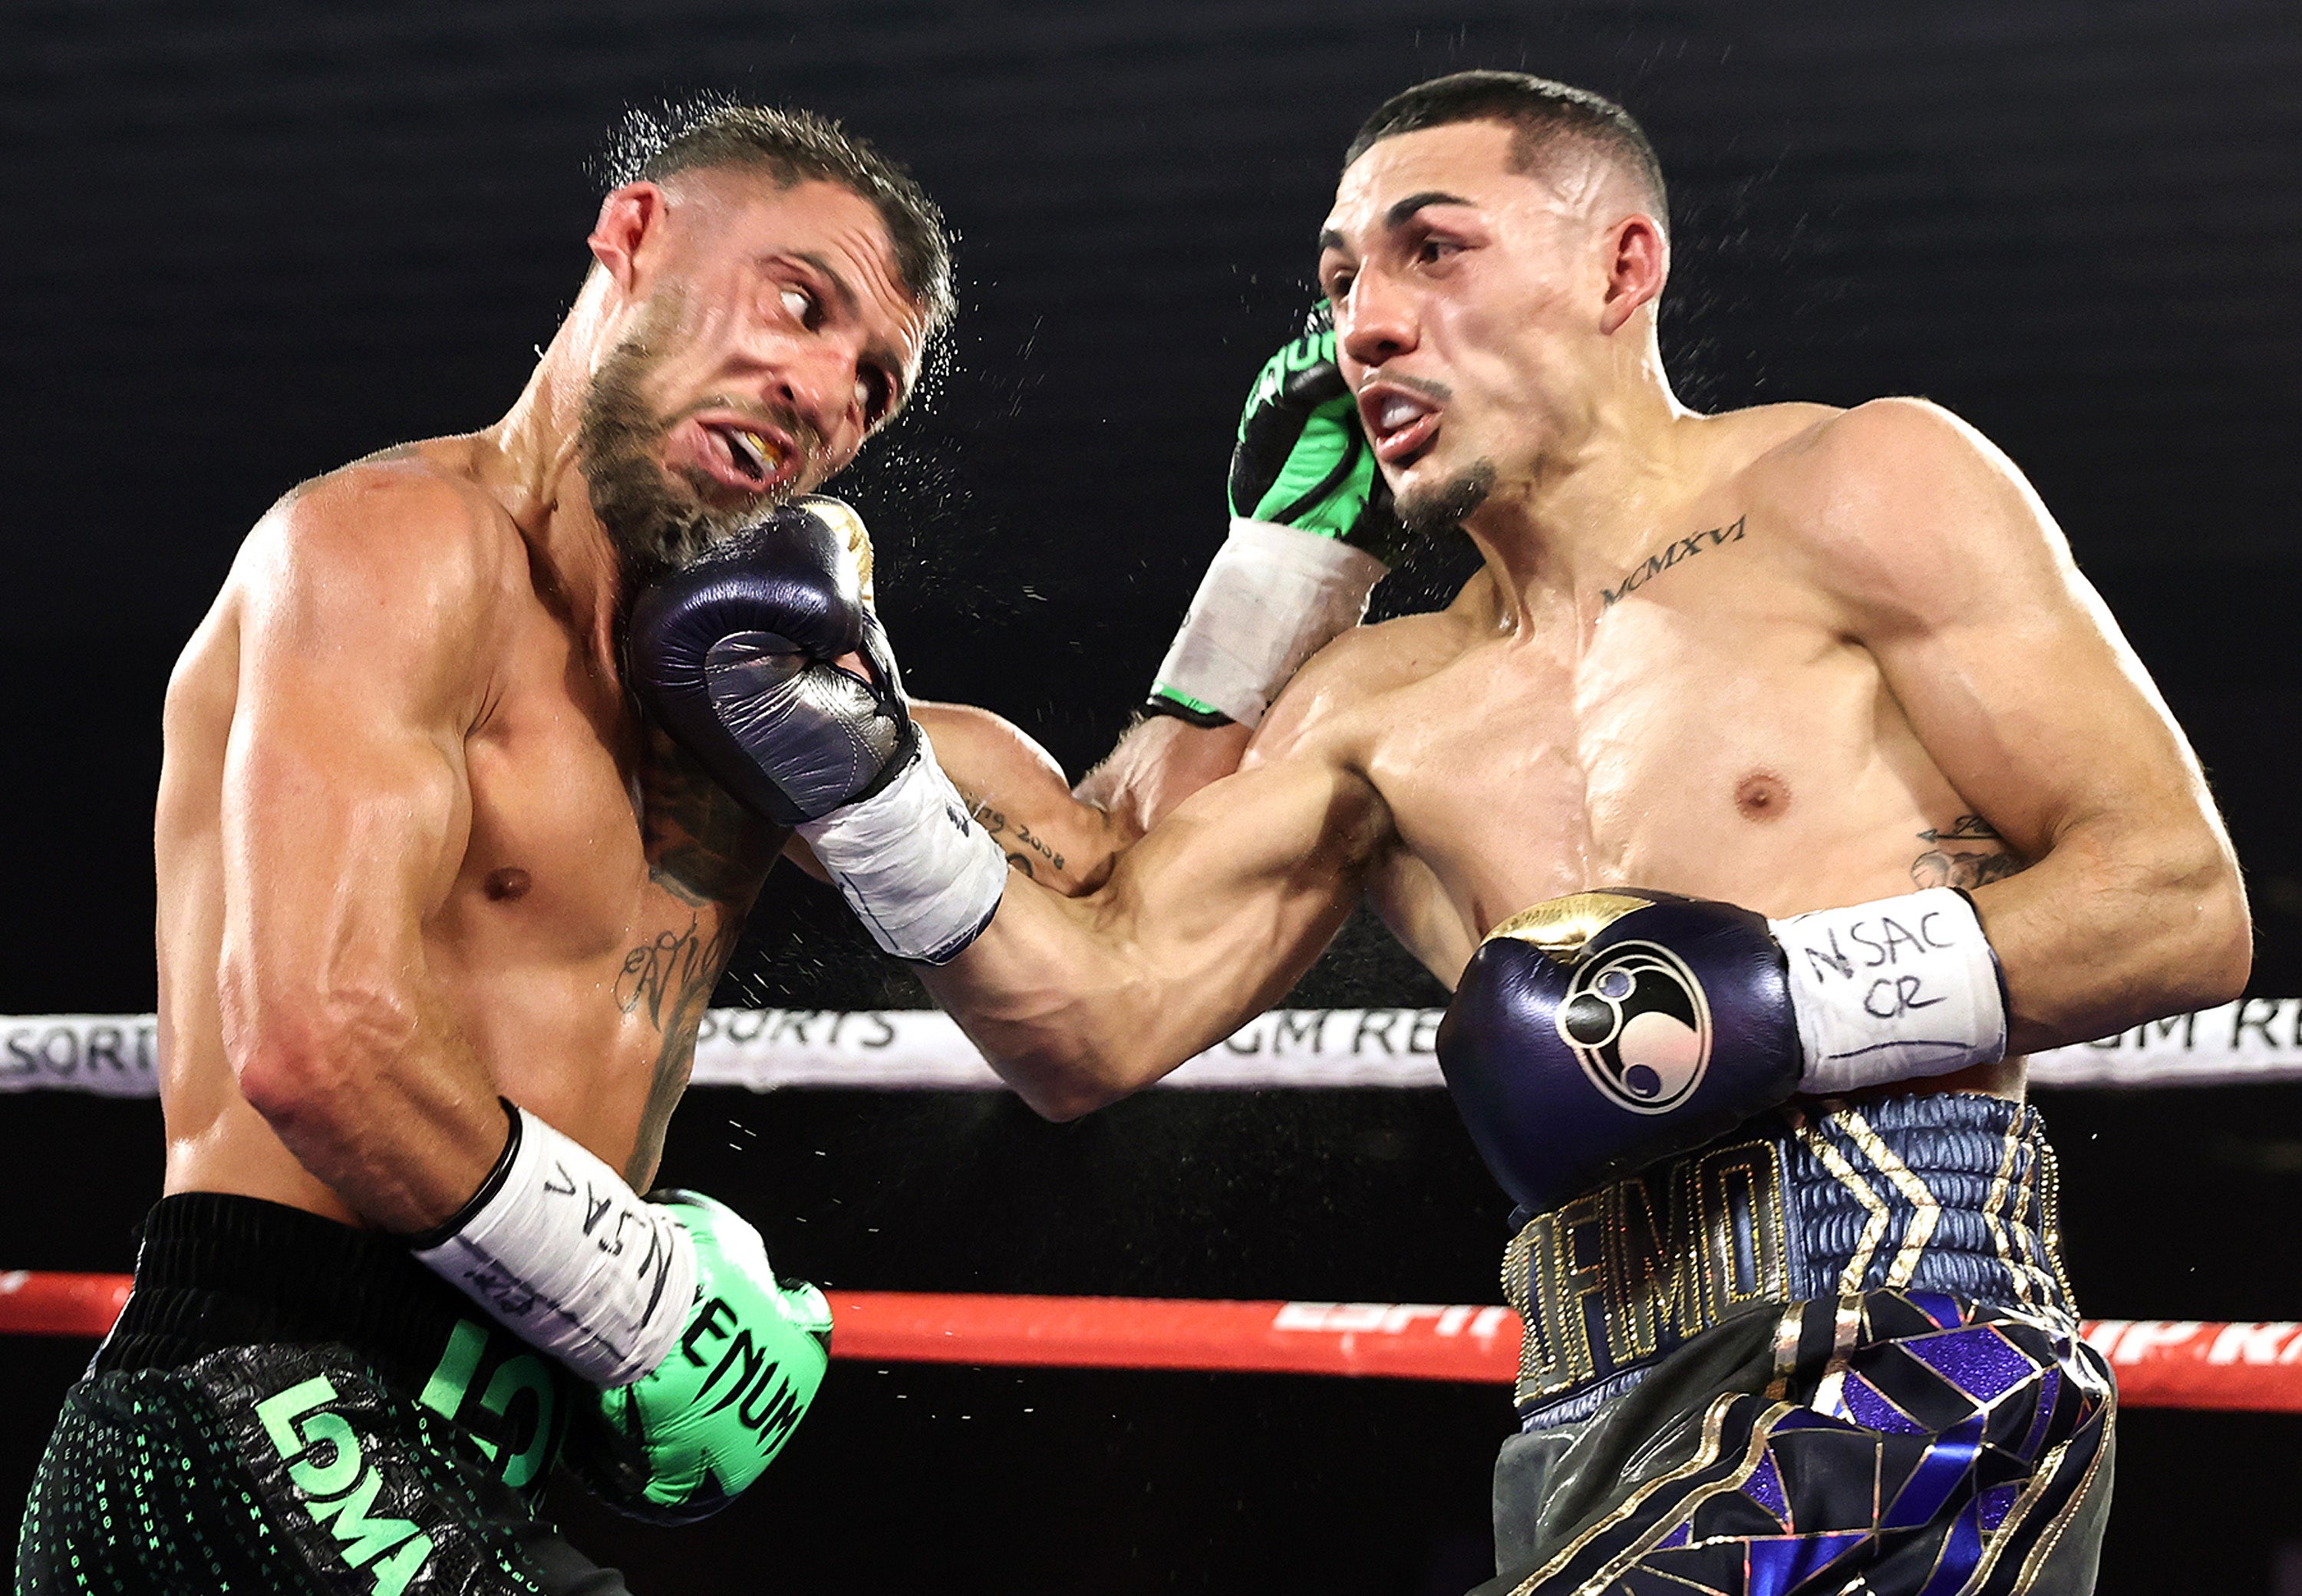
769	455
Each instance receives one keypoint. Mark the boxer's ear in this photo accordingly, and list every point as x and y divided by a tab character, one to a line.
1637	260
628	218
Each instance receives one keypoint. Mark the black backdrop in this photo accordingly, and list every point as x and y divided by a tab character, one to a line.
249	241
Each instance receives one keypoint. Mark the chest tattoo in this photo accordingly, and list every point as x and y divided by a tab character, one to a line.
1969	853
702	846
706	850
1655	564
670	975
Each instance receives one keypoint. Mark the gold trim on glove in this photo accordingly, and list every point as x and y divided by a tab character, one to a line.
1561	927
842	518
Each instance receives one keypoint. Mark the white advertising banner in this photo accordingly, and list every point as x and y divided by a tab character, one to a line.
2256	1039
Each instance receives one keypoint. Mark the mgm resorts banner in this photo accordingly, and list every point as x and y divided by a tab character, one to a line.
2254	1039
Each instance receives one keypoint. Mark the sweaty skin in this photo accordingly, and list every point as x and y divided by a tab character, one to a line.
1790	656
416	849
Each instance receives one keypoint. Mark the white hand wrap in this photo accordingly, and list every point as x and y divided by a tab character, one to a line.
1272	597
561	1251
919	872
1892	989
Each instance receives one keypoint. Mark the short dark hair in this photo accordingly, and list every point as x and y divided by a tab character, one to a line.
792	146
1541	112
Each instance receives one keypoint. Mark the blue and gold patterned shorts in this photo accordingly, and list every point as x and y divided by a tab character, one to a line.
1833	1353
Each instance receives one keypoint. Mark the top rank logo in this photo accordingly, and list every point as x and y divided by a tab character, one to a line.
1639	1024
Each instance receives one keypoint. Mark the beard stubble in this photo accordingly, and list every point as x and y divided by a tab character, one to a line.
1430	511
655	521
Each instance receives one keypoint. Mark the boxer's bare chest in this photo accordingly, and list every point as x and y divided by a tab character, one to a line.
601	892
1697	725
597	891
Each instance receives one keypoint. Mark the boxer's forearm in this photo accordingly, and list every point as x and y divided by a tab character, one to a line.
1206	922
1068	839
2117	924
1074	1013
1065	1016
384	1102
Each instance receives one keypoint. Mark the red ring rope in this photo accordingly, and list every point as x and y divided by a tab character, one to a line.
2161	1362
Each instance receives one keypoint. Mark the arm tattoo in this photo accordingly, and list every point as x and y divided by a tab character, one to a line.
1968	854
1010	835
1655	565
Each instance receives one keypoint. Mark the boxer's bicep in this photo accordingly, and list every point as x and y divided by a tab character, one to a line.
345	800
344	814
2006	663
1204	922
2022	691
1160	762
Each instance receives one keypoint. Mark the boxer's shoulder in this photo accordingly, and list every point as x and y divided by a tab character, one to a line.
1902	507
409	528
424	500
1343	687
1847	471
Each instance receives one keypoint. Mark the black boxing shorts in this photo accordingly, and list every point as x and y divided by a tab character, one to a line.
1834	1350
290	1404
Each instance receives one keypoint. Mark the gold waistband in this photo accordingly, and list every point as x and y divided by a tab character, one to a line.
1952	1194
1658	1271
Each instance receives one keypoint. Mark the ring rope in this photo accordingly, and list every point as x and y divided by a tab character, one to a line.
2161	1362
2255	1041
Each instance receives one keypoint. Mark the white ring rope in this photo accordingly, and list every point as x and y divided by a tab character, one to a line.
2256	1039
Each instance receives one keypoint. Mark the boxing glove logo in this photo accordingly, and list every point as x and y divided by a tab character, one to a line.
1637	1020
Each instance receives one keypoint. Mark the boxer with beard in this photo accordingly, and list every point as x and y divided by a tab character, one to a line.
1775	785
439	915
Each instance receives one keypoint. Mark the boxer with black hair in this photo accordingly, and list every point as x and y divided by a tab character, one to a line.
1751	1062
439	917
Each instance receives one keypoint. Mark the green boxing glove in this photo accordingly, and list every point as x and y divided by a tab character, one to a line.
688	1436
1312	531
1301	458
